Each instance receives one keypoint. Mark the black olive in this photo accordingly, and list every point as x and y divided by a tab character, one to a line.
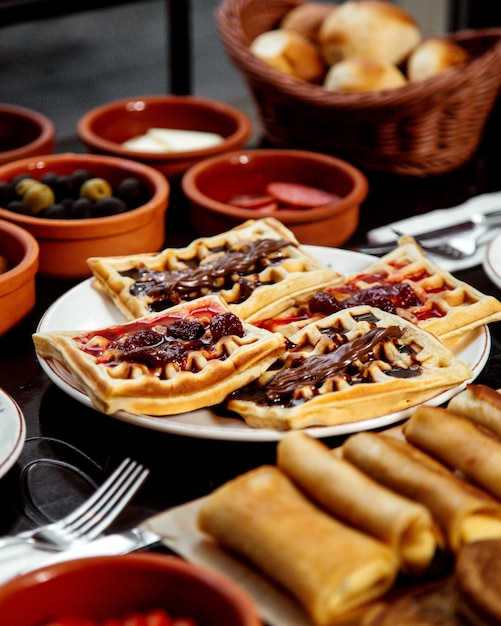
62	188
16	206
79	177
54	212
82	208
109	206
7	193
130	191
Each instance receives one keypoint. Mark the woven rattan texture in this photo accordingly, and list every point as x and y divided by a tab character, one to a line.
421	129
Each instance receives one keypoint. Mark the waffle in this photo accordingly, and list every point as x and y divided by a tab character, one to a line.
406	282
189	357
356	364
250	266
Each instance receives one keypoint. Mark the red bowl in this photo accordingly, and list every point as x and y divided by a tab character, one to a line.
103	129
17	284
209	184
99	588
24	133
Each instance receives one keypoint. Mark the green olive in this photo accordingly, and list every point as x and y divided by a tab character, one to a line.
96	188
24	184
38	197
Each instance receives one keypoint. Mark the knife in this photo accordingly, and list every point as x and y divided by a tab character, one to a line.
489	218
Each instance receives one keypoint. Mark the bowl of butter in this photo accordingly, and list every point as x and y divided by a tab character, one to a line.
170	133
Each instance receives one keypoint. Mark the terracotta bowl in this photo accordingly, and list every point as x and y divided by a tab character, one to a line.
99	588
19	254
104	129
24	133
65	244
210	185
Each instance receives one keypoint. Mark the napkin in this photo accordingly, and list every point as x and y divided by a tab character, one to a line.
179	532
20	558
439	219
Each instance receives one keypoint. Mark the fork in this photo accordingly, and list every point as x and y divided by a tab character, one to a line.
456	248
88	520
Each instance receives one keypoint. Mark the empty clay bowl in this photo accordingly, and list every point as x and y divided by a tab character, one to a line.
24	133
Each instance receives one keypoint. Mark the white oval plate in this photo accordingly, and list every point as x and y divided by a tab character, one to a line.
492	260
85	308
12	432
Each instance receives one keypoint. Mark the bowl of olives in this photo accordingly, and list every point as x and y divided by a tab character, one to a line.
81	205
24	133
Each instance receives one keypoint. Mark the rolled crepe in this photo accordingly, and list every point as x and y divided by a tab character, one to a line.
329	567
464	512
352	496
459	443
481	404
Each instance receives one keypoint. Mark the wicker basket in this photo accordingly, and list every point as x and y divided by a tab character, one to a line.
421	129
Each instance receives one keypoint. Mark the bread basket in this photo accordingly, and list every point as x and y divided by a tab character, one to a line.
421	129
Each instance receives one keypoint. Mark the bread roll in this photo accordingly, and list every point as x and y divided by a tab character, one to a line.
352	496
464	512
430	604
359	75
478	581
481	404
433	56
459	443
374	29
329	567
307	18
291	53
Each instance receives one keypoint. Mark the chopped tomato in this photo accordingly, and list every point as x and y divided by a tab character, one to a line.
159	617
155	617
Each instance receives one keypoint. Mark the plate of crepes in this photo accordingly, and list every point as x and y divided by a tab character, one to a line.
249	334
395	527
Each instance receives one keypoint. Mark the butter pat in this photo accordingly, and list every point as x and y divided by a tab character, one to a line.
173	140
145	143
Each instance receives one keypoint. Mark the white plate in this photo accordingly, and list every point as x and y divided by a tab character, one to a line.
84	308
12	432
492	260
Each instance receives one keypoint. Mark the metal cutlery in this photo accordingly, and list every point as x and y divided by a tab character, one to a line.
456	248
91	518
463	228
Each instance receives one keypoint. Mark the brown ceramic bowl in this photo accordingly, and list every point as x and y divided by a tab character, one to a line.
104	129
19	254
99	588
210	185
65	244
24	133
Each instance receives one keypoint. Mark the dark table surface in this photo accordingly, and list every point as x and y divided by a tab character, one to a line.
70	448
